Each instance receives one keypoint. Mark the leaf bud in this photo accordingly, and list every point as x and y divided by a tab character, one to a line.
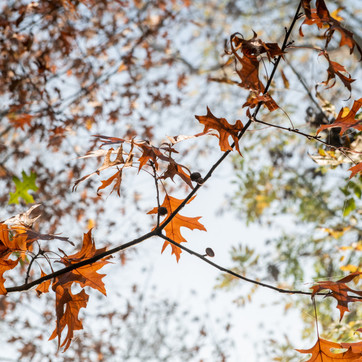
162	211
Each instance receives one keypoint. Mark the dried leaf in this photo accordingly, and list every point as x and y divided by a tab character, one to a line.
335	69
224	129
346	122
321	16
173	228
321	352
43	287
355	169
174	169
67	310
339	291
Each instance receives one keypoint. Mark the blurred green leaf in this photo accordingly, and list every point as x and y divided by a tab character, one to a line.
23	187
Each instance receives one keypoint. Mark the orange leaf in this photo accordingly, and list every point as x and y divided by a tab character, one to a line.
5	265
172	229
355	347
67	310
355	169
67	304
224	128
43	287
20	120
249	72
107	163
86	275
339	291
117	177
347	121
321	352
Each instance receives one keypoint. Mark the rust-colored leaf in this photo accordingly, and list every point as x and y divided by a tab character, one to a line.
321	16
174	169
355	169
107	163
11	240
86	275
173	229
249	71
254	99
223	127
5	265
150	153
354	347
255	46
20	120
346	122
335	69
322	352
43	287
68	304
67	310
117	178
339	290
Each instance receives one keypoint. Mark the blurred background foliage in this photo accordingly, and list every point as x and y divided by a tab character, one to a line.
71	69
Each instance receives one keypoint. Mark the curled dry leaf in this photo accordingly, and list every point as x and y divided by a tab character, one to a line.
321	17
148	154
174	169
249	71
336	69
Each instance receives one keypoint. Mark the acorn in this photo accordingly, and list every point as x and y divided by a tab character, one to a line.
195	176
209	252
162	211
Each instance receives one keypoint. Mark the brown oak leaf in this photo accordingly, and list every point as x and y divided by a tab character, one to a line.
346	122
223	127
339	290
335	69
44	286
174	169
355	169
86	275
67	310
321	16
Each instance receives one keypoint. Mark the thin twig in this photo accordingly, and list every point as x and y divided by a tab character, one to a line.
85	262
157	192
239	276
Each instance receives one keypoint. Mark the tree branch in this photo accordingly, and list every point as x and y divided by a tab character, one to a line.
239	276
158	230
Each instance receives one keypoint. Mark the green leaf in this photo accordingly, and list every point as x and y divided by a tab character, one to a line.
349	206
22	188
